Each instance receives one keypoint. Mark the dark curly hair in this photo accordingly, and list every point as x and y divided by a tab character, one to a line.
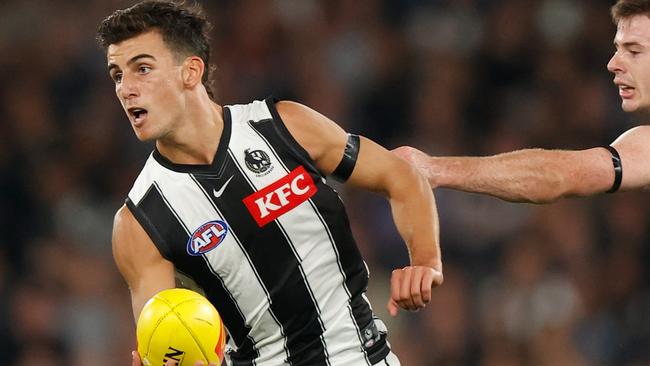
627	8
184	29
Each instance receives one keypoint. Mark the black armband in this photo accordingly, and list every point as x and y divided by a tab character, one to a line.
346	166
618	169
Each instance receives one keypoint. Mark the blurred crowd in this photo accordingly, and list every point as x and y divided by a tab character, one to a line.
560	284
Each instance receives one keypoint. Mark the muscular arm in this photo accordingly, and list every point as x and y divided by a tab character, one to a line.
411	200
538	175
139	261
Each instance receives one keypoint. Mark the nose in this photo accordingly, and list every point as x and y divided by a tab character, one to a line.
127	88
615	65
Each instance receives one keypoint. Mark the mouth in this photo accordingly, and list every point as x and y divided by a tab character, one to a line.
625	91
138	115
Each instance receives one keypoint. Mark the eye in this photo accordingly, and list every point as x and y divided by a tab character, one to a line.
143	69
117	77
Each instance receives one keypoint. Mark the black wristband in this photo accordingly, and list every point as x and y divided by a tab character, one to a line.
618	169
346	166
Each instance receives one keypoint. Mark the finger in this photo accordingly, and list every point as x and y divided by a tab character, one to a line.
199	363
395	280
171	363
426	285
135	359
416	287
392	307
438	278
405	300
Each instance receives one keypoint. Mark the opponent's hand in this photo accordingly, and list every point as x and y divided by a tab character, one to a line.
136	361
410	288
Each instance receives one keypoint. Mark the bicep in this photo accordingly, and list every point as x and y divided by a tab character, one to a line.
325	141
321	137
634	149
139	261
381	171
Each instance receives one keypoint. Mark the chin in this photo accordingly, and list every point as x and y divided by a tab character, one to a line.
630	107
144	135
142	138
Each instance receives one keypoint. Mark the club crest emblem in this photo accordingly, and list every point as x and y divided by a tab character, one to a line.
258	161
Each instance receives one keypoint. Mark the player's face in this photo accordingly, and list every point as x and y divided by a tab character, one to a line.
148	84
631	63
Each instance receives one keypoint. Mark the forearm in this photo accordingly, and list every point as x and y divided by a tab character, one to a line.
416	218
530	175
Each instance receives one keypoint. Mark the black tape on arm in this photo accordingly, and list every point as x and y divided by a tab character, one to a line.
350	155
618	169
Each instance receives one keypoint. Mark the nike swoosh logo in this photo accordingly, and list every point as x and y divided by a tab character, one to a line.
218	193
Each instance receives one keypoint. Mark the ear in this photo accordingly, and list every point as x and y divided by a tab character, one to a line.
192	71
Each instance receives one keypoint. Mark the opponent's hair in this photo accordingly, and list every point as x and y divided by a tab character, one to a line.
184	29
627	8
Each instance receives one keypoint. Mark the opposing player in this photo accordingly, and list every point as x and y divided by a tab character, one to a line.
538	175
234	198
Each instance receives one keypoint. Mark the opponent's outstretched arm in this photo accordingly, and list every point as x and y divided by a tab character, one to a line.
539	175
376	169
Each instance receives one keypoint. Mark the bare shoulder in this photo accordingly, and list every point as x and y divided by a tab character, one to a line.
293	111
322	138
125	225
303	121
122	216
126	231
132	246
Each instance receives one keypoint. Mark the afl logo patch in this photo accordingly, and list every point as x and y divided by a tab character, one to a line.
257	161
207	237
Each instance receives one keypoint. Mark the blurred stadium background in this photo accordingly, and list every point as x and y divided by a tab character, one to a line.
560	284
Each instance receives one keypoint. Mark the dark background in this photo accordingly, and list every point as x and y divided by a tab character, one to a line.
559	284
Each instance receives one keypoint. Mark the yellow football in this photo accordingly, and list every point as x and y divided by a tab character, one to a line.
180	325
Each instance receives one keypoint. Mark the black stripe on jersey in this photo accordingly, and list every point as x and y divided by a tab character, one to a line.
140	211
278	268
330	209
154	206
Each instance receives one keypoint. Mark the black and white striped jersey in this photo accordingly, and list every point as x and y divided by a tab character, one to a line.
269	243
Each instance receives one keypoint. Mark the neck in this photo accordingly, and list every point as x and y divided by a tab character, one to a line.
196	135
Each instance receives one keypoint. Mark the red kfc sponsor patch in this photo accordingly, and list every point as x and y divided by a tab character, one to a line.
281	196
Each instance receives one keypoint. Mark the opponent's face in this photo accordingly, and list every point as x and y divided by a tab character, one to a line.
148	84
631	62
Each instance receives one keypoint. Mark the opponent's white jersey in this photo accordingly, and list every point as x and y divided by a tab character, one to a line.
269	243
